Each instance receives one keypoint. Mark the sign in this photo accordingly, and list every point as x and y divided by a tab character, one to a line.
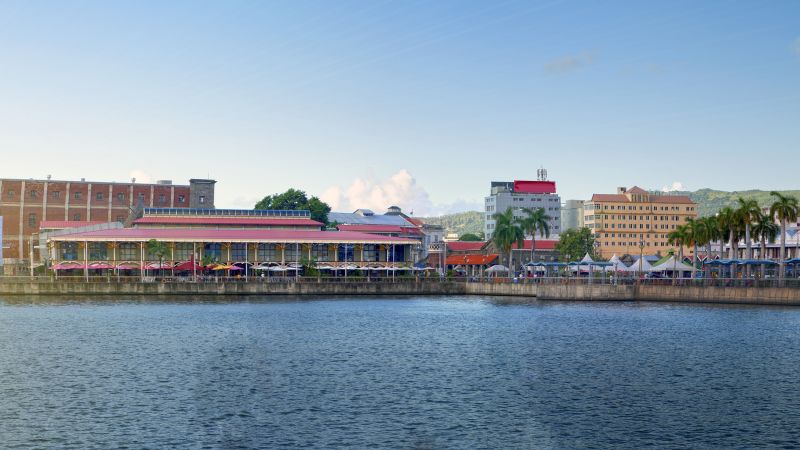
1	240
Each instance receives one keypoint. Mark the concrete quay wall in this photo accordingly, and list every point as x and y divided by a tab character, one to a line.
521	292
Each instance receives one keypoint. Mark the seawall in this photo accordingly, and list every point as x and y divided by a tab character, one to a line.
524	292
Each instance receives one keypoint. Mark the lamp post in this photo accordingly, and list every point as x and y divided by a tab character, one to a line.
596	246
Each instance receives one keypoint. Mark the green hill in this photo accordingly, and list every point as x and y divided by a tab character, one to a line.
710	201
460	223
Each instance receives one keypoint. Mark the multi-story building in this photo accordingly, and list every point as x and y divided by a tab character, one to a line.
634	220
572	215
520	194
24	204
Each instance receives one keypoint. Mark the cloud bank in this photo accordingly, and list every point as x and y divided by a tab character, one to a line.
675	186
400	189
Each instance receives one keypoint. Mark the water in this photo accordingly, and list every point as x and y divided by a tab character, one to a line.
397	373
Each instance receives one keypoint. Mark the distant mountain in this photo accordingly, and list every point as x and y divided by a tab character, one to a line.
710	201
459	223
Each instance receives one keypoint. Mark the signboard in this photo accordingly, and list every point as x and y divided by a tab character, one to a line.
1	240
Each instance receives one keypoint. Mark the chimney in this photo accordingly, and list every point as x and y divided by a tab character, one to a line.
622	190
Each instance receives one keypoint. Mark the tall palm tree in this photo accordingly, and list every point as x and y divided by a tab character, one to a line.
707	233
678	237
747	212
535	220
765	230
507	231
784	208
695	236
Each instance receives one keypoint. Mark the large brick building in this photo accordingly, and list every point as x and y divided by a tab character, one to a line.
24	204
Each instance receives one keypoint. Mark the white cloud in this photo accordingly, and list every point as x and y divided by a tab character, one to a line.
401	189
675	186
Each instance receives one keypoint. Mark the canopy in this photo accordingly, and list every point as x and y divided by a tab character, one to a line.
128	266
157	266
619	266
68	265
497	268
634	268
673	265
100	265
188	265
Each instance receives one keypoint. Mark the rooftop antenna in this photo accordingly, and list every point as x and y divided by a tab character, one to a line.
541	174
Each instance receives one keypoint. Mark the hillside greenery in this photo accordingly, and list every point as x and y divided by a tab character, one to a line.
459	223
710	201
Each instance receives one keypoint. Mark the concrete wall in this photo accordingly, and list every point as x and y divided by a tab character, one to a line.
522	292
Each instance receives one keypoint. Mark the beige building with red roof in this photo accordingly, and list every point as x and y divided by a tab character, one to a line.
634	218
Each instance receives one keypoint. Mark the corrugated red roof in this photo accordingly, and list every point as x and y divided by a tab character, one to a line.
471	260
62	224
465	246
534	187
227	235
233	221
541	244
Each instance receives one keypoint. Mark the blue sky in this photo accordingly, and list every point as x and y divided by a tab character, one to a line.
412	102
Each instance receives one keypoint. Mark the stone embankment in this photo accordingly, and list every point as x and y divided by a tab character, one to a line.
522	292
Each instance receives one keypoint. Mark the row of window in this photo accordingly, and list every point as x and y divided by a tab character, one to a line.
631	226
622	217
33	219
636	244
78	195
640	208
130	251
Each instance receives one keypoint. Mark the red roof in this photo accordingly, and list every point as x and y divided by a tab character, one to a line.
535	187
541	244
367	228
226	221
654	198
61	224
228	235
470	260
465	246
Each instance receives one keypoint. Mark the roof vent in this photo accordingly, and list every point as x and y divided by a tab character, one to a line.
164	182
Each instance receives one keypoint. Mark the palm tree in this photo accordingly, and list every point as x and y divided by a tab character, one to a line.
747	212
507	231
784	208
157	249
695	235
765	230
535	220
706	233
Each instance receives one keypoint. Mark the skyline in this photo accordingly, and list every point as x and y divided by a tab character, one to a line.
402	102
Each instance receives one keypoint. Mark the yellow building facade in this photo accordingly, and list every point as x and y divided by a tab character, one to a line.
634	220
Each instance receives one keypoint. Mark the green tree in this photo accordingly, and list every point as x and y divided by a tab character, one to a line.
573	244
507	231
785	209
765	230
294	200
535	221
470	237
748	212
159	250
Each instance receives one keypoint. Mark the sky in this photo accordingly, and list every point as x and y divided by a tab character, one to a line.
416	103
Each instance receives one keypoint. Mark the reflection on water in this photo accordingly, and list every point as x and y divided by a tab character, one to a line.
408	373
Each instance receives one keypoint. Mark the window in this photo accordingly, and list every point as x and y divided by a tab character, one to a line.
76	217
32	220
345	252
371	253
239	252
213	251
10	193
202	199
292	252
268	252
34	194
77	195
99	196
121	197
120	219
56	195
98	251
183	251
129	251
68	251
181	199
141	195
162	198
320	252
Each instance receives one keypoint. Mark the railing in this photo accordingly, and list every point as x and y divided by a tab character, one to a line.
212	279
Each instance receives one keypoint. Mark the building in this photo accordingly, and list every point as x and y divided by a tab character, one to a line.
634	220
520	194
572	215
25	204
241	238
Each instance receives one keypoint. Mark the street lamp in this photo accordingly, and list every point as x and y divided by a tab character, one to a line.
596	246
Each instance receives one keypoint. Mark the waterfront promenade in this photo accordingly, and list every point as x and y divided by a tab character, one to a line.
689	291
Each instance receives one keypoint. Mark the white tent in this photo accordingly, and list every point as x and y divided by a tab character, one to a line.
673	265
646	267
497	268
617	264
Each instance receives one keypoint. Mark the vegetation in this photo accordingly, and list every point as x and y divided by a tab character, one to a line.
471	237
784	208
158	249
573	244
535	221
506	233
459	223
295	200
